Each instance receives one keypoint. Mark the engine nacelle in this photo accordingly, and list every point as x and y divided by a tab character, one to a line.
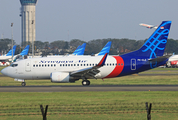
61	77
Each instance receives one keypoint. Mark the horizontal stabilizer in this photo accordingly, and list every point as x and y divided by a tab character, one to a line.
160	59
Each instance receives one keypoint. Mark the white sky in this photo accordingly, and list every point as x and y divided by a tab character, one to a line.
90	19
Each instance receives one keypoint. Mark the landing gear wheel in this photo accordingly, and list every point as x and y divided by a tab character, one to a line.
85	82
23	84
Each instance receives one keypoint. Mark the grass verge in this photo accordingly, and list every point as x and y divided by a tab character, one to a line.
89	105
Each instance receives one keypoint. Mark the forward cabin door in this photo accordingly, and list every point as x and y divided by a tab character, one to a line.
28	66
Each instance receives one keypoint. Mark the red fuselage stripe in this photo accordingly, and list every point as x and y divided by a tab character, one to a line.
118	68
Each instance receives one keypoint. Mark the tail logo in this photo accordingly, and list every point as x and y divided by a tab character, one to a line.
157	42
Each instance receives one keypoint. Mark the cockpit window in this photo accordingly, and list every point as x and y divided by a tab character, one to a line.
14	65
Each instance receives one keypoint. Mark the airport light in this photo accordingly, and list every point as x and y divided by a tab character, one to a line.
12	41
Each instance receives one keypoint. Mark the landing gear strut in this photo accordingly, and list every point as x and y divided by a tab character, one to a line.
23	83
85	82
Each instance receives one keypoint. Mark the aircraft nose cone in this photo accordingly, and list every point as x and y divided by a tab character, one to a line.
4	71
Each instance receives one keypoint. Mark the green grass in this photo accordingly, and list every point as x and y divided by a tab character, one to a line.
121	105
1	67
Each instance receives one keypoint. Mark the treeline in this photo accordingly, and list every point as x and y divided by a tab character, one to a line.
119	46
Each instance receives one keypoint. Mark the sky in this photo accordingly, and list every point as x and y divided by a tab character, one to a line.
90	19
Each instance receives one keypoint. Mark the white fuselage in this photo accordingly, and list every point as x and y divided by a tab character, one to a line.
3	58
41	68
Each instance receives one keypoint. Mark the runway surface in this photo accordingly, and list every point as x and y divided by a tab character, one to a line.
80	88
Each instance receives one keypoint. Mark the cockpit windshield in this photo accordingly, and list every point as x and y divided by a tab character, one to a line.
14	65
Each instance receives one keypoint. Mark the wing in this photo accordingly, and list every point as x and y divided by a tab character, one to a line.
91	71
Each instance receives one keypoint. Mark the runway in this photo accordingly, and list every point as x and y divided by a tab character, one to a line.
80	88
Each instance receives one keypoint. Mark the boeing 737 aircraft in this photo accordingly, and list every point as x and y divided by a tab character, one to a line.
148	26
73	68
8	56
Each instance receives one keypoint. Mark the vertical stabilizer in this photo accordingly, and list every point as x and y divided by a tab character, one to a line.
155	45
10	51
25	51
80	50
106	49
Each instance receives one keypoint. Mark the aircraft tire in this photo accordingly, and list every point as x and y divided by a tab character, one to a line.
23	84
85	82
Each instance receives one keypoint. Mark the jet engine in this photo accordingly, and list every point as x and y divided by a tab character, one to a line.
62	77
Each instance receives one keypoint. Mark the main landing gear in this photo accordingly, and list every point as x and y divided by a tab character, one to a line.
23	83
85	82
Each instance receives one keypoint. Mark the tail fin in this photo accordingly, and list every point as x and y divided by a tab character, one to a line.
25	51
10	51
105	49
155	45
80	50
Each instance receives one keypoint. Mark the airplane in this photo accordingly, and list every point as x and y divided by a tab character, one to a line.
72	68
8	56
173	61
105	50
148	26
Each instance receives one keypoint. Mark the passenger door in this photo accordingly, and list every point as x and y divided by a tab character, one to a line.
28	66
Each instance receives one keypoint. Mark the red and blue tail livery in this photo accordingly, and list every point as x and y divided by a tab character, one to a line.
72	68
